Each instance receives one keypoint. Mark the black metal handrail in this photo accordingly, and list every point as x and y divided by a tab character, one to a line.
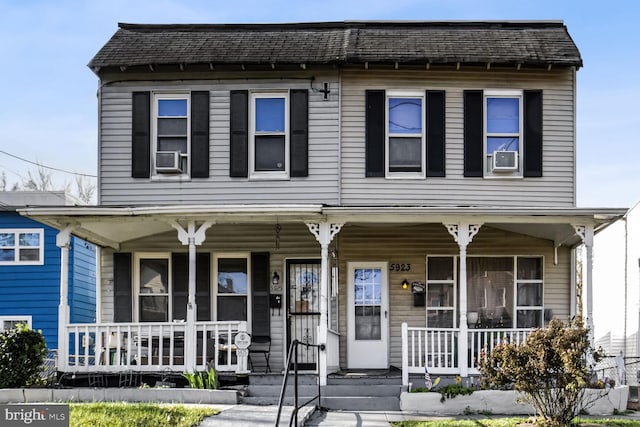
293	352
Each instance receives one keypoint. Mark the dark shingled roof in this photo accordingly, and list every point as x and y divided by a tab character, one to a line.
536	43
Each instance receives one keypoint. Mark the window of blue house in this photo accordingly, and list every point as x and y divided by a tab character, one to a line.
21	246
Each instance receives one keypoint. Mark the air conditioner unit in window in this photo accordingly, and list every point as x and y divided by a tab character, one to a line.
168	162
505	161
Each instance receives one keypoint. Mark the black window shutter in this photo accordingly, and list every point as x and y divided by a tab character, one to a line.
180	297
200	134
203	288
122	287
435	151
473	132
141	135
260	294
374	132
239	123
180	290
532	133
299	124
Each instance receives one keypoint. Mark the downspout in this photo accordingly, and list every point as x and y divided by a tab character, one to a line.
626	281
575	138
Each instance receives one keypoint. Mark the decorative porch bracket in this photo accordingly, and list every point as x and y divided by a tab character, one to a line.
324	233
191	237
463	234
63	241
585	232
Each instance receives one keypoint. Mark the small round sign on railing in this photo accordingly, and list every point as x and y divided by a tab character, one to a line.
242	340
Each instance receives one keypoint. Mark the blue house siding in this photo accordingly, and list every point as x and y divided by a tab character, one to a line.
82	281
34	290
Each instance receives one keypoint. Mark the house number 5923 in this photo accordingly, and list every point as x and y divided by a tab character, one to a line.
400	267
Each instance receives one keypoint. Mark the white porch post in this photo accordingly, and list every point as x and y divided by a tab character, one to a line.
63	239
324	233
191	237
463	234
586	234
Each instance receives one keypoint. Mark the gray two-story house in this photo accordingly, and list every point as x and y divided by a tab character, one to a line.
403	193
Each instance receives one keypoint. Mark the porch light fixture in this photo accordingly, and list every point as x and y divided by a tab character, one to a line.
276	278
405	284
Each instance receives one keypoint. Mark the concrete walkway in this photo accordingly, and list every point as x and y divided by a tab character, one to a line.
254	416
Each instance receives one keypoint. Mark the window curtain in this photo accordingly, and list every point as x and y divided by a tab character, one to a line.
490	284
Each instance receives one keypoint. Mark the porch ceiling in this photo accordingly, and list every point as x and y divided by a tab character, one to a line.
111	226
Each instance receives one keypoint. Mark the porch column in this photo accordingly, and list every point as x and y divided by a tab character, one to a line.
586	234
463	234
324	233
191	237
63	239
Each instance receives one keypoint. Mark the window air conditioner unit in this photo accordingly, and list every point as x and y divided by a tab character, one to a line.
505	161
168	162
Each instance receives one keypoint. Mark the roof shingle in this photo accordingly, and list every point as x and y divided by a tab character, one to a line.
342	43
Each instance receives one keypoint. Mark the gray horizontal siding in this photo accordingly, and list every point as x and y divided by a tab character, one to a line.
117	187
555	188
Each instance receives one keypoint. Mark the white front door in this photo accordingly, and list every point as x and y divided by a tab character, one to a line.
368	316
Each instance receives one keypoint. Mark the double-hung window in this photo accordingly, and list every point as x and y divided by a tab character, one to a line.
10	322
529	300
269	138
503	133
171	133
22	247
232	272
154	287
405	135
441	292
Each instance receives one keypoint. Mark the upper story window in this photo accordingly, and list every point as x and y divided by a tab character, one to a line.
269	138
503	133
404	134
22	247
171	134
405	143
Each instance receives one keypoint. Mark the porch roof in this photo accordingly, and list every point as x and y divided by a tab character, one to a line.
111	226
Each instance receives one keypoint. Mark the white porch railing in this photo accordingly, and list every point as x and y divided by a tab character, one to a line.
437	348
149	347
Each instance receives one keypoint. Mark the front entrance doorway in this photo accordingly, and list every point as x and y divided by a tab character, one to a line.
368	316
303	281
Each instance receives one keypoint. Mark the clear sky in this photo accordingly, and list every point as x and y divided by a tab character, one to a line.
48	112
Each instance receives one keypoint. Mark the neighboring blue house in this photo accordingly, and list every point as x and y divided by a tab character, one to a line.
30	268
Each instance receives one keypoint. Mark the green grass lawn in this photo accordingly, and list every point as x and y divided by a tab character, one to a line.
512	422
136	414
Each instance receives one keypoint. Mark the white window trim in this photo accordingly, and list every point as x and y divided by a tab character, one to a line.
268	175
453	281
486	158
19	318
178	95
214	279
136	282
405	175
16	246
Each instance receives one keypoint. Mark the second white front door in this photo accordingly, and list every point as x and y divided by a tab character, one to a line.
368	316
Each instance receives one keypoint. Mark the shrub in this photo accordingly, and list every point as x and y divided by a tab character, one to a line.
22	354
550	368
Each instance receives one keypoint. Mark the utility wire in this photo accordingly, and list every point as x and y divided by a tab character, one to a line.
47	167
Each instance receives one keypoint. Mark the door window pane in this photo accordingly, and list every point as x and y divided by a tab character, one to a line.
367	302
367	323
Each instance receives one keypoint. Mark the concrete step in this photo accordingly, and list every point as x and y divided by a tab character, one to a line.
276	379
362	403
329	390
